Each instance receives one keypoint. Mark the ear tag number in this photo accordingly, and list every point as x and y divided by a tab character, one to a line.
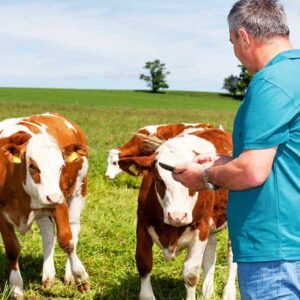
72	157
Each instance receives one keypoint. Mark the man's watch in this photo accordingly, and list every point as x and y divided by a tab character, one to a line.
208	184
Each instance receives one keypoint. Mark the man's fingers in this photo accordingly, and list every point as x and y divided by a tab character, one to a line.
180	168
203	158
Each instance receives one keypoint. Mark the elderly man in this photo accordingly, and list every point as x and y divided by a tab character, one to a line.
264	173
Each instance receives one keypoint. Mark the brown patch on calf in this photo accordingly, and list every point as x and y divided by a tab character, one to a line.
84	187
220	207
64	233
34	171
191	279
140	163
136	146
31	126
202	212
160	187
69	175
220	139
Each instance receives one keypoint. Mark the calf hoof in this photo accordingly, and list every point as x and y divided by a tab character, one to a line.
82	281
84	287
48	282
69	280
17	294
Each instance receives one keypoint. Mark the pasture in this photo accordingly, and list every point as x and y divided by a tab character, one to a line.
107	240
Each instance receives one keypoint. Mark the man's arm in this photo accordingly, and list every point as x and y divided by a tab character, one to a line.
249	170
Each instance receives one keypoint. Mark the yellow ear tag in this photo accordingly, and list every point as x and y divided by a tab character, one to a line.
134	169
73	156
16	159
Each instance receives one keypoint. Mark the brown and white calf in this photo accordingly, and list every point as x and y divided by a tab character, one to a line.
44	163
175	217
136	145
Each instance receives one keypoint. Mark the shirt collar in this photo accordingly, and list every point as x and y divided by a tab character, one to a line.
288	54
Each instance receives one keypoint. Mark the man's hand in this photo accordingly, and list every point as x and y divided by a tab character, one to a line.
190	175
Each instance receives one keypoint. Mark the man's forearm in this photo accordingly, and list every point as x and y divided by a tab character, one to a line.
238	174
228	176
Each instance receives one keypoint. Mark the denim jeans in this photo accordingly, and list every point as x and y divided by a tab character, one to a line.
269	280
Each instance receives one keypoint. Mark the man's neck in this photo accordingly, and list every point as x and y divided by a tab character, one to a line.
264	52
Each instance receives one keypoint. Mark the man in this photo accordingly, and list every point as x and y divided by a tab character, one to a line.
264	173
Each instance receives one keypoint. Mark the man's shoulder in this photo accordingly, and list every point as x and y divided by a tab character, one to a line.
283	73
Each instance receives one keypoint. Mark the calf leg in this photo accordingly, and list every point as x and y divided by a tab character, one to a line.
66	243
12	249
230	289
144	262
209	264
75	208
47	230
192	267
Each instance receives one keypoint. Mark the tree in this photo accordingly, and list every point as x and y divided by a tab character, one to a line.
156	80
230	84
238	84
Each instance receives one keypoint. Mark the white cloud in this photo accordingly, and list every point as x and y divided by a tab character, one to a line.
104	44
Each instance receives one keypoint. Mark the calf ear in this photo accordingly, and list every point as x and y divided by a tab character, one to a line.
136	165
19	138
13	153
73	151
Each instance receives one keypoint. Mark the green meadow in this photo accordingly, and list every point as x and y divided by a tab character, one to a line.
107	240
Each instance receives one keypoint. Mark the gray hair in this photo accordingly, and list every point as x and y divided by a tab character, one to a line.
264	19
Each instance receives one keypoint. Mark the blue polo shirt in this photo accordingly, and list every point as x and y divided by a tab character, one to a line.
264	222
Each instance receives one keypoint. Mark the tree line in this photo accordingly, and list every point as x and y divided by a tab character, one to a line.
156	78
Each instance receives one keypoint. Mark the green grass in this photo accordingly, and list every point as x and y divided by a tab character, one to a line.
107	239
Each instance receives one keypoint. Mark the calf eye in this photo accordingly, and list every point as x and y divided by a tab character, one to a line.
114	163
34	171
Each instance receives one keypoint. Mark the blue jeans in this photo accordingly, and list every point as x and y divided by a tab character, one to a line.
269	280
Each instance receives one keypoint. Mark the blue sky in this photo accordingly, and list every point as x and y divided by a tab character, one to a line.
104	44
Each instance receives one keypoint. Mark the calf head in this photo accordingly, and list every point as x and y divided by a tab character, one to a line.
41	163
113	168
176	200
44	163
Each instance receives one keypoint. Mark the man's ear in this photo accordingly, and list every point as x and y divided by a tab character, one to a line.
14	153
244	37
136	165
73	151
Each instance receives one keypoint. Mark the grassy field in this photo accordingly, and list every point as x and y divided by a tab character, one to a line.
107	239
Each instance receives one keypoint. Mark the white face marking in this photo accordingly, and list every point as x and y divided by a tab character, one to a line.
113	168
177	201
44	150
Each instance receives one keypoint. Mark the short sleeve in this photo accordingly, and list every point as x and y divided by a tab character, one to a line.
267	112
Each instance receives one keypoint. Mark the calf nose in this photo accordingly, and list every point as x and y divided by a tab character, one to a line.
177	218
55	199
108	176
